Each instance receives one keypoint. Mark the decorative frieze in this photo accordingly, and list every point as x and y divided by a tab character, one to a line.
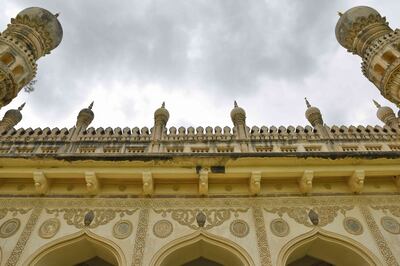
76	216
214	217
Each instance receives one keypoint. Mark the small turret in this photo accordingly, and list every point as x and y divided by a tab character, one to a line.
238	116
313	115
161	116
84	118
386	115
11	118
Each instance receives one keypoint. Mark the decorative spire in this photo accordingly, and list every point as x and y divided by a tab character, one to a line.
235	104
386	115
376	104
161	115
85	117
21	107
11	118
313	115
307	102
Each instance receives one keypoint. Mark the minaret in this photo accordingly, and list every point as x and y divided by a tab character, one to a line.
84	118
33	33
387	115
161	116
363	31
11	118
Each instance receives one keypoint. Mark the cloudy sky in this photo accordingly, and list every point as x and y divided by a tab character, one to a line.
198	56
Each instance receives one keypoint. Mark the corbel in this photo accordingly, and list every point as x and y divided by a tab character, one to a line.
41	182
255	183
148	184
92	182
203	181
356	181
305	181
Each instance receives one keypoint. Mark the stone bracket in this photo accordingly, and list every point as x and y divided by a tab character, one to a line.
148	183
305	181
255	182
203	181
356	181
41	182
92	182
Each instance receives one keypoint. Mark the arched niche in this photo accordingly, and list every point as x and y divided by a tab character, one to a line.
327	247
77	248
203	246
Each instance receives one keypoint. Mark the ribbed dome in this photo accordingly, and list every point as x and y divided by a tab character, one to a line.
48	21
11	118
385	114
313	115
237	114
346	25
13	115
85	117
161	114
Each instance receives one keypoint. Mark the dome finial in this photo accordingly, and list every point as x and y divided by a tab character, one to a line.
376	104
163	105
21	107
91	105
307	102
235	104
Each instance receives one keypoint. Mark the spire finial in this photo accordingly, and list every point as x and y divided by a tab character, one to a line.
163	105
307	102
21	107
91	105
56	14
376	104
235	104
340	13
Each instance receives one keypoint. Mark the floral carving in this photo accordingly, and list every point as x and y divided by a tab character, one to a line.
24	237
76	217
15	211
393	209
187	217
379	239
326	214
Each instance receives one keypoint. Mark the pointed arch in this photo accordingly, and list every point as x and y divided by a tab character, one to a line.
344	246
85	242
202	244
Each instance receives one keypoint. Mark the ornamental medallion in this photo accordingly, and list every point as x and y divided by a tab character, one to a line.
239	228
49	228
9	227
353	226
162	228
122	229
279	227
390	224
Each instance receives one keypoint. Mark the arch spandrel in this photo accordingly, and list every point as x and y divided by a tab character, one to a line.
102	247
330	247
202	244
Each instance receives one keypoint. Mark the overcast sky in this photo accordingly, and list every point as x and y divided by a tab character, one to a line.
198	56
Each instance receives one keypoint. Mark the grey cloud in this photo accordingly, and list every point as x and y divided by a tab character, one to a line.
228	48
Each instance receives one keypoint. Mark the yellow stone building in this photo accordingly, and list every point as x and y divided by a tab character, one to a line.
312	195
